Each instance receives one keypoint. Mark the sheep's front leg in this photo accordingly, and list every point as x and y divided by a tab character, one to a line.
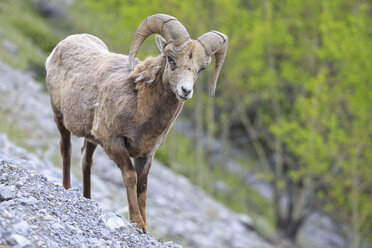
116	150
143	167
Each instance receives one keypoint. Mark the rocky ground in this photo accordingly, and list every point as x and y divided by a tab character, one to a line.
176	209
35	212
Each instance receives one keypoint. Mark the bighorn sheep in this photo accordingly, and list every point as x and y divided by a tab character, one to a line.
125	105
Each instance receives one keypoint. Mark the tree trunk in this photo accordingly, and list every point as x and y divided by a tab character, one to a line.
289	229
172	149
225	140
198	172
210	138
355	217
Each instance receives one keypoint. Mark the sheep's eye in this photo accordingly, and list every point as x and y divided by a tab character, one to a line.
172	62
201	69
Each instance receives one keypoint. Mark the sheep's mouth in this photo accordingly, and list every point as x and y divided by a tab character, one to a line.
181	98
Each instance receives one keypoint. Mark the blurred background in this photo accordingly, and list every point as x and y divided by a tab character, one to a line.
286	140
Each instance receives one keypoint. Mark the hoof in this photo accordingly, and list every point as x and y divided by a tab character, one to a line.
141	225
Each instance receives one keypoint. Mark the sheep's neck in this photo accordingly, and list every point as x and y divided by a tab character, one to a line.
157	106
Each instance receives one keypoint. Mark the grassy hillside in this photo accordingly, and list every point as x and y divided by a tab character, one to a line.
25	36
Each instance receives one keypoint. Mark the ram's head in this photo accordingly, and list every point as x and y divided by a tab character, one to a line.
186	58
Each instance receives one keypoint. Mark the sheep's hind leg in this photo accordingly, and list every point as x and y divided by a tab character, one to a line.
116	150
65	148
87	163
143	167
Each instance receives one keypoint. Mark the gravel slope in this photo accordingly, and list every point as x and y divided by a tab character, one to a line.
36	212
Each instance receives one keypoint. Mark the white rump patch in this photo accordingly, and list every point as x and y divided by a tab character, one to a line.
47	62
96	104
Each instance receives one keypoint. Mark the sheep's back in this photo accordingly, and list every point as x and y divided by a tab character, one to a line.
73	72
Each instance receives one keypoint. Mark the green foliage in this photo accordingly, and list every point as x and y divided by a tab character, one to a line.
40	37
311	77
31	35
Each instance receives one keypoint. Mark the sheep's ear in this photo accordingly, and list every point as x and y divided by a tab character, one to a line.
160	42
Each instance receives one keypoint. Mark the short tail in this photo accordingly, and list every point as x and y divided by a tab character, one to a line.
47	62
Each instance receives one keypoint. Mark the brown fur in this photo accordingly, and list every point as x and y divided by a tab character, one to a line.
95	96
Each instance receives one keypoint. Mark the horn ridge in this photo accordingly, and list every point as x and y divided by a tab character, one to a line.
173	32
215	43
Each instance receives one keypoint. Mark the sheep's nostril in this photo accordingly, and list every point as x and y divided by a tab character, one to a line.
185	91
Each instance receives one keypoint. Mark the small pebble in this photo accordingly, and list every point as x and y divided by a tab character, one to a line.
22	226
102	242
19	240
31	218
39	243
105	232
29	201
48	218
57	226
7	192
6	214
5	175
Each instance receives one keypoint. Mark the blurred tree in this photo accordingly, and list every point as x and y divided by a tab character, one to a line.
307	71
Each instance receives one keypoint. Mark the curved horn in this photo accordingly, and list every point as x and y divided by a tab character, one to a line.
167	26
215	43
